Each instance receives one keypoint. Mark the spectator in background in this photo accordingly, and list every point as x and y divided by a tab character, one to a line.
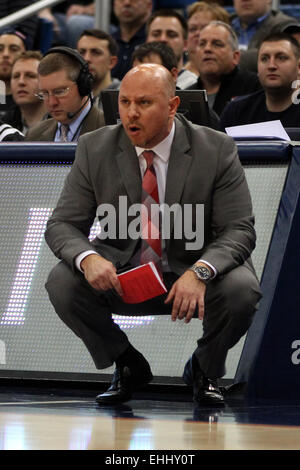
253	20
28	109
162	54
27	27
292	28
79	17
279	73
218	59
65	85
170	27
69	20
12	44
199	14
156	52
100	51
132	16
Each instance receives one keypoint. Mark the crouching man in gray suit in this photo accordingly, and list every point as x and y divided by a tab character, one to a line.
214	280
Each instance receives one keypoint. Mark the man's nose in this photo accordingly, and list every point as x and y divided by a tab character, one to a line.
207	46
162	37
6	52
86	56
21	80
52	100
133	111
272	63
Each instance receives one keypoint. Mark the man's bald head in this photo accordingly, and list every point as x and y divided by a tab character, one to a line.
147	104
152	72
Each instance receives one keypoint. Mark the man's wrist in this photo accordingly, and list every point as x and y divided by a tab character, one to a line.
87	259
80	258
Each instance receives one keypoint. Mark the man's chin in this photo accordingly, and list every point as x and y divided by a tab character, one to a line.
277	89
60	116
137	142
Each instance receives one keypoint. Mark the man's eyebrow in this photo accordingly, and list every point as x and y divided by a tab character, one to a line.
141	97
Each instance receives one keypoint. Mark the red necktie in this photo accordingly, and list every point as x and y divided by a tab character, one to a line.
150	217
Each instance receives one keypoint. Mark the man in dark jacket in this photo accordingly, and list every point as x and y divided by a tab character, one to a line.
218	64
278	72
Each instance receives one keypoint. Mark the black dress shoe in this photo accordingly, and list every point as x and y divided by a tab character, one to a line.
205	391
125	381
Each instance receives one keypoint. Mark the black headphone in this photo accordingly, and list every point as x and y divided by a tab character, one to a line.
85	78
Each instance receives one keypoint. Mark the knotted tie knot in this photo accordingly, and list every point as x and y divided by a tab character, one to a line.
64	128
148	155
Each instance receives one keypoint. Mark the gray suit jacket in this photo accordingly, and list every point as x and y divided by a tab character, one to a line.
45	130
204	168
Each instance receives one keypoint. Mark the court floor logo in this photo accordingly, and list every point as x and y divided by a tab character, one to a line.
2	352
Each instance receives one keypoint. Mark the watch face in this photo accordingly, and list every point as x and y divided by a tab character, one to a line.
203	273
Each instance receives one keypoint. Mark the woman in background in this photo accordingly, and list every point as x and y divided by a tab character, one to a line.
199	15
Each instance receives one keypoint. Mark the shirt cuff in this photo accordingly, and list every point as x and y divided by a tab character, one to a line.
83	255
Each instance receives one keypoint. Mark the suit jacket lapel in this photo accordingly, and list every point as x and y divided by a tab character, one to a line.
179	164
128	164
50	131
178	168
85	127
88	122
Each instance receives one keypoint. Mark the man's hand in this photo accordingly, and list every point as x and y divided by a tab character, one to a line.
187	293
100	273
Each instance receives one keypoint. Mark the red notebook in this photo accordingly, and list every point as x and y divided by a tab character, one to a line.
141	284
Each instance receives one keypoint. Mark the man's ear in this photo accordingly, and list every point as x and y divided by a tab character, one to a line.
173	105
236	57
174	73
113	61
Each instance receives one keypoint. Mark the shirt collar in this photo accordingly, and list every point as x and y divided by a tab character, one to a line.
236	23
163	149
75	125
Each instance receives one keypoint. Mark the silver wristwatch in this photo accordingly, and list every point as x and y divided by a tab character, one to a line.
202	273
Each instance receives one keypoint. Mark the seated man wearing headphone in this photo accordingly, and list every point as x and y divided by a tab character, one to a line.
65	85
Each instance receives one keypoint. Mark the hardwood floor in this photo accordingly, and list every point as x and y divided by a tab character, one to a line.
46	420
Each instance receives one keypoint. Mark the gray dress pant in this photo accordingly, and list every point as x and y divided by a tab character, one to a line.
230	304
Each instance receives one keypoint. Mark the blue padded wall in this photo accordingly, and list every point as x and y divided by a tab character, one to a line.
33	341
270	361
